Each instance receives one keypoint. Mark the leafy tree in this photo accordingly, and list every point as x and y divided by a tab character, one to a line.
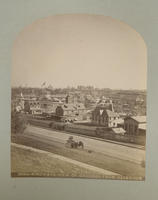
18	123
27	107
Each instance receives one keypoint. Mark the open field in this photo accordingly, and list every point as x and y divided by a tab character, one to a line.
26	162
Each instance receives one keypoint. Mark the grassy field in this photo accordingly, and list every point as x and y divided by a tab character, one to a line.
29	163
122	167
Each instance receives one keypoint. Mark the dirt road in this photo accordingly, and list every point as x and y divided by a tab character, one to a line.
114	150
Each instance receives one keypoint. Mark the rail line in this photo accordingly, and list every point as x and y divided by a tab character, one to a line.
96	138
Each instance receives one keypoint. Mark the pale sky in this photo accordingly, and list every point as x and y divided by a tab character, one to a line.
71	50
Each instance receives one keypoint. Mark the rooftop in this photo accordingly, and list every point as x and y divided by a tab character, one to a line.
77	106
139	119
142	126
118	130
111	113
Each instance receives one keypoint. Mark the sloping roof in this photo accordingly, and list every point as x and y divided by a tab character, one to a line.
142	126
69	106
49	110
55	99
139	119
119	121
103	110
44	98
118	130
89	111
111	113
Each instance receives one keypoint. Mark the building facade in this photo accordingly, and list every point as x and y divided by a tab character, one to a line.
71	98
135	125
104	117
72	111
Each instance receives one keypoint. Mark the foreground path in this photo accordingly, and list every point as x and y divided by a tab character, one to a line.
71	161
110	149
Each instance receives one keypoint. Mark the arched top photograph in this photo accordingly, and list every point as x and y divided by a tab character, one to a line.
78	105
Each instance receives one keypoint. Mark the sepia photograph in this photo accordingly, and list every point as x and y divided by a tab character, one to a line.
78	99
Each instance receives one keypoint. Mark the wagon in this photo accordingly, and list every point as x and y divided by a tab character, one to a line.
70	143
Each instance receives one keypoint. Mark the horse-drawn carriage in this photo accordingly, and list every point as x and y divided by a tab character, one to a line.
70	143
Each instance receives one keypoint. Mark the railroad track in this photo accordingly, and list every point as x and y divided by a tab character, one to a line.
96	138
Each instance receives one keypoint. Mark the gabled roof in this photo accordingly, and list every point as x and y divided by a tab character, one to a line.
139	119
142	126
119	121
111	113
103	111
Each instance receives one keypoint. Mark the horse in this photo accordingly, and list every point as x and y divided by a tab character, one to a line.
80	144
73	144
77	144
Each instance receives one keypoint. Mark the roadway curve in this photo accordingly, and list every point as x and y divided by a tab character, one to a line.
114	150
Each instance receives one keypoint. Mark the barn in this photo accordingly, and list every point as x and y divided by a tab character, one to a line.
135	125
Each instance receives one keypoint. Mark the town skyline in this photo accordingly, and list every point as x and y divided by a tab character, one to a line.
50	86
